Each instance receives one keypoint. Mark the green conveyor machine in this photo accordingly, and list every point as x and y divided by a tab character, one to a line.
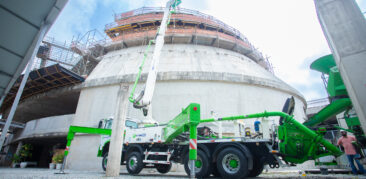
335	88
339	99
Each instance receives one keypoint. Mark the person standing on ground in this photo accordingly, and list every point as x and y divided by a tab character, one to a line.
349	149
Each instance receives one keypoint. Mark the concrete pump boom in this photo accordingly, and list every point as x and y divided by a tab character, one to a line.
144	99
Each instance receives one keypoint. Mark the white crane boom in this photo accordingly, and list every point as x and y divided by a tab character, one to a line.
144	99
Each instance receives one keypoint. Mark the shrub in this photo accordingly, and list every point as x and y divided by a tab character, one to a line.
16	158
58	158
25	152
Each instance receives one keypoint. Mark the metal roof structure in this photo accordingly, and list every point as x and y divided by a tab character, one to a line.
21	23
42	80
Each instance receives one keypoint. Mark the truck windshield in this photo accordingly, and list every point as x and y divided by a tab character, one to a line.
131	124
108	124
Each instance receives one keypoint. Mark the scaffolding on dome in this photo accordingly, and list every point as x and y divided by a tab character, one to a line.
81	55
135	27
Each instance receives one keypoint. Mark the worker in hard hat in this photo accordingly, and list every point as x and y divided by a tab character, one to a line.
346	141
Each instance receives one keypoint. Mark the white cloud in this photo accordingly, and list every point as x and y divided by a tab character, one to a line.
75	19
133	4
288	31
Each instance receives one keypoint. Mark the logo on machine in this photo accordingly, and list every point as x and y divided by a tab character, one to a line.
141	135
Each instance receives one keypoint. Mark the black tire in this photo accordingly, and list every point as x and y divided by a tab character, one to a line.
257	169
232	163
134	163
204	170
104	161
163	168
215	172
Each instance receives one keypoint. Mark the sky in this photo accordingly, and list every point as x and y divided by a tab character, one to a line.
286	31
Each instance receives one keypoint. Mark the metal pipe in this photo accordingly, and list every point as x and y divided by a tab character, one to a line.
330	110
193	123
288	119
192	167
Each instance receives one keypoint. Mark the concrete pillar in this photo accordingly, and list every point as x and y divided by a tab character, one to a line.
118	125
20	144
344	27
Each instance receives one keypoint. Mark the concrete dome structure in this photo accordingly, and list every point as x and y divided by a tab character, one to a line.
203	61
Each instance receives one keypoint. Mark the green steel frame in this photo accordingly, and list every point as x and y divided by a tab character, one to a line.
340	101
85	130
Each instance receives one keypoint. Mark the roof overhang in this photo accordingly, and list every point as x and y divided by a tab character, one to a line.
42	80
21	22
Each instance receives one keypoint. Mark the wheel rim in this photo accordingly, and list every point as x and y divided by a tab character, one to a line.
133	163
198	165
231	163
105	161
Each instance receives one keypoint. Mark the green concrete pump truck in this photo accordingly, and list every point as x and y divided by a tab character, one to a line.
158	146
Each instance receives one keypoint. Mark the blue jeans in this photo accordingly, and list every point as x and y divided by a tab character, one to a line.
360	167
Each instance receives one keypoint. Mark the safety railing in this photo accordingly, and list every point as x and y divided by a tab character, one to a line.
209	18
317	102
146	10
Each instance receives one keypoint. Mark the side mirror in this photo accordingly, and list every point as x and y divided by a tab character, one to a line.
100	125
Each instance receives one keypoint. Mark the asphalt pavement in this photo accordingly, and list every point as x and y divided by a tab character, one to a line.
30	173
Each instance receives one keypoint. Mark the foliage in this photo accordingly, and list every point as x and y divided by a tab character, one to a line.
58	158
25	152
16	158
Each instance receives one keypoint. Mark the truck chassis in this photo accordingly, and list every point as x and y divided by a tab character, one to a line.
230	157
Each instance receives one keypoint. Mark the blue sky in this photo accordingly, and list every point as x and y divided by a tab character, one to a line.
287	31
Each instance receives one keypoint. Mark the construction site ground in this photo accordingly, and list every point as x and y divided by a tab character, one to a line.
18	173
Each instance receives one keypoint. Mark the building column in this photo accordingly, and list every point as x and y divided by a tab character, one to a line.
118	127
20	144
344	27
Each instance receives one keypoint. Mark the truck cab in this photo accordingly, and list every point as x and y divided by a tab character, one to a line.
105	139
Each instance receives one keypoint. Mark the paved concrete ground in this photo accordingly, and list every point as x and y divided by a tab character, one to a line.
17	173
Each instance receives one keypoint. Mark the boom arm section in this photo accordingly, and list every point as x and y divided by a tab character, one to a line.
145	97
189	117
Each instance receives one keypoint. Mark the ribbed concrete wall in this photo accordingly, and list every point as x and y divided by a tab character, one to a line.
220	80
48	127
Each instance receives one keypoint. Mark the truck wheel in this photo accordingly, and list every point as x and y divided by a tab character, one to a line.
134	163
163	168
257	169
104	161
232	163
203	166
